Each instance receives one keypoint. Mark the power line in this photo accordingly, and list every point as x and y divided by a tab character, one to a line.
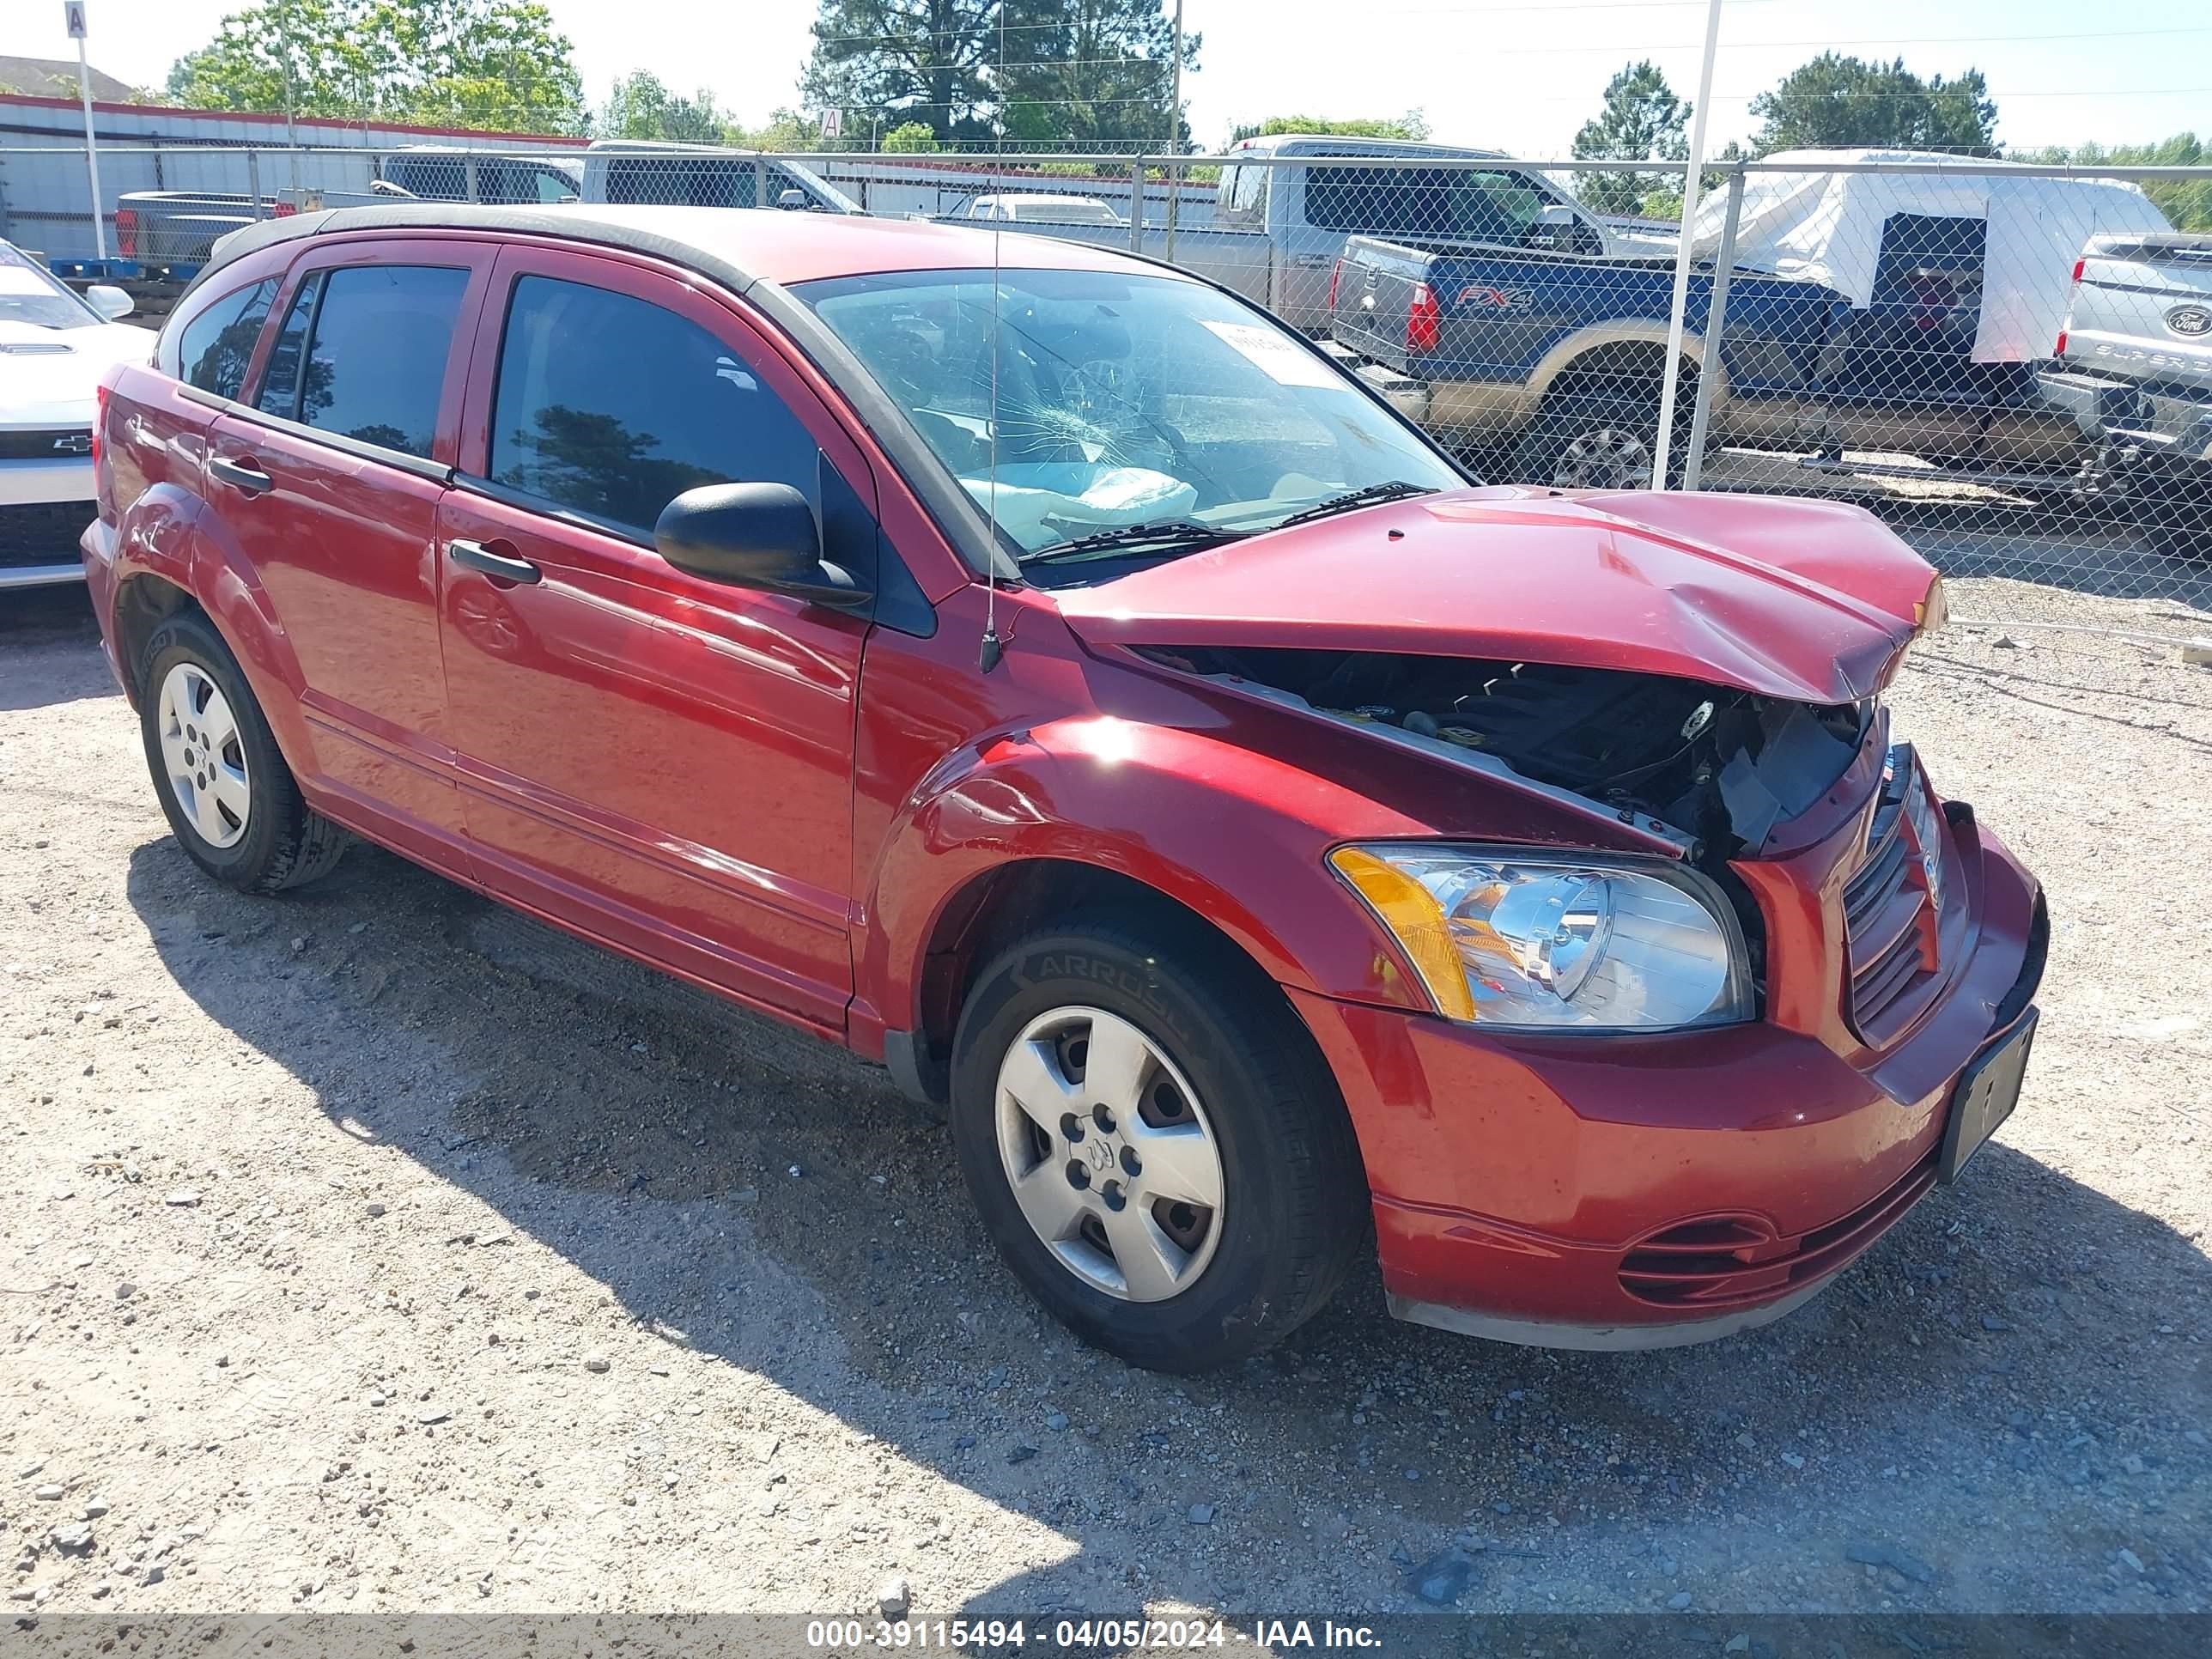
1654	46
1993	96
1887	40
1565	5
977	30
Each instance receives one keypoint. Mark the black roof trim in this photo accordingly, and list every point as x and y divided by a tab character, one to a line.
964	523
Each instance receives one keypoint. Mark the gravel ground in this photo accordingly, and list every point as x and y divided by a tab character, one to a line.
378	1250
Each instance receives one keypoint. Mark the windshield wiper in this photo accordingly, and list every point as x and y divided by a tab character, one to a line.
1168	535
1397	490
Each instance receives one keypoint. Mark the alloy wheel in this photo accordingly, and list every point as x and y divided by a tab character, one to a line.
1605	457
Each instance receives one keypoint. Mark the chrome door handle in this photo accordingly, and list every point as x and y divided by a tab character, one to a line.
475	556
244	477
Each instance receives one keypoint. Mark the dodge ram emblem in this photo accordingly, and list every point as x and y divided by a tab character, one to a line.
2190	321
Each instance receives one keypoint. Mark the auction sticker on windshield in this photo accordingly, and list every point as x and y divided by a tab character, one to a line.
1276	357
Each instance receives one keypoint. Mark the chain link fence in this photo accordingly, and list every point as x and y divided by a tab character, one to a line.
2010	366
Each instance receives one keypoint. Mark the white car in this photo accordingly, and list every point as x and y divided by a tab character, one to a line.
1044	209
54	347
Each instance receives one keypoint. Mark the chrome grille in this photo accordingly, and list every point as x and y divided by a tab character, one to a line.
43	533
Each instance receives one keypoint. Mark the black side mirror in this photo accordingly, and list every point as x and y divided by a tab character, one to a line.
755	534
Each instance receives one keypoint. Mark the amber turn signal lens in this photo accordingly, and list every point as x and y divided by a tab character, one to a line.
1411	914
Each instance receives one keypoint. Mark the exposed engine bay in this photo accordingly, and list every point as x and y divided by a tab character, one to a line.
1722	766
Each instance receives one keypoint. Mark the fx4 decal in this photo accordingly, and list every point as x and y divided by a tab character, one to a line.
1478	296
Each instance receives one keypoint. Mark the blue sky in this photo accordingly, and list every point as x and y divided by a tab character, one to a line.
1520	74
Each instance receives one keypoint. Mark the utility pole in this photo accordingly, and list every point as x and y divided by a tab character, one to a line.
283	10
73	16
1175	128
1691	175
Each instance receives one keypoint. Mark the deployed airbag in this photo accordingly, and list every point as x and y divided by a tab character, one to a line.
1041	501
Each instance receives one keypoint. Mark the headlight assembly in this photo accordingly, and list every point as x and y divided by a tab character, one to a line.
1540	942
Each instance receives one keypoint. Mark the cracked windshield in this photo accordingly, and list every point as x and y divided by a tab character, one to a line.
1134	415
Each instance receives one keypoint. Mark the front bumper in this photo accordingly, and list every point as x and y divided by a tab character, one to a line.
41	504
1520	1183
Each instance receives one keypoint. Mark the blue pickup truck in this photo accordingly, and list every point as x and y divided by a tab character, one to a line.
1545	365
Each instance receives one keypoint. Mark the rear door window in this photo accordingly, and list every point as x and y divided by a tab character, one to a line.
611	407
1414	201
435	177
683	181
216	347
374	368
1349	199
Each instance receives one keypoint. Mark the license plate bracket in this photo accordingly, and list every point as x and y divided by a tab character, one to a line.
1984	1096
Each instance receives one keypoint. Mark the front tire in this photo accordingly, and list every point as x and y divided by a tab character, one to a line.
1153	1142
223	782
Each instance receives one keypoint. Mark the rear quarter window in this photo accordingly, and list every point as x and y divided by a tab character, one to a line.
215	348
1242	197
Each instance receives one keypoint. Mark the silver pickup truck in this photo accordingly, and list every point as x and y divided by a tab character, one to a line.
1278	226
2135	374
701	175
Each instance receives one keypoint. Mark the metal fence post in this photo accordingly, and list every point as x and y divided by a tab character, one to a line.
760	181
1137	204
1709	369
1175	200
254	179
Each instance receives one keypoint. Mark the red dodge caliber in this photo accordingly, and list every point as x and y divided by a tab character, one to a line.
1047	675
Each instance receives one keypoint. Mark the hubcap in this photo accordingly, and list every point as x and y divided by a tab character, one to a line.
1110	1155
1608	458
202	755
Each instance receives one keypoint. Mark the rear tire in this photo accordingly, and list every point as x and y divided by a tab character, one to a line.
2171	508
1228	1087
223	785
1599	443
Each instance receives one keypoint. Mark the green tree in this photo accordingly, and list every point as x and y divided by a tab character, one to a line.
1093	74
786	129
1839	102
912	138
2186	203
893	62
641	107
1642	120
1412	126
498	64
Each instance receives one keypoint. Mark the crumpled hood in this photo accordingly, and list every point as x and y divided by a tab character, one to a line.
48	376
1814	601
